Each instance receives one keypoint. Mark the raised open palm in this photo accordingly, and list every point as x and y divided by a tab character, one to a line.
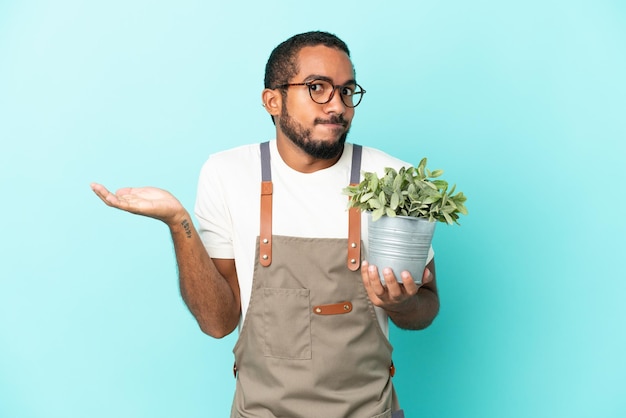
147	201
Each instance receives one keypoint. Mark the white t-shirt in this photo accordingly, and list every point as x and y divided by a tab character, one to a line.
309	205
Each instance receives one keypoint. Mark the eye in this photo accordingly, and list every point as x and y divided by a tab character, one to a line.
317	87
347	91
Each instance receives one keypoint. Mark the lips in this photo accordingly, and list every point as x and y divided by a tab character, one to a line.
336	122
334	128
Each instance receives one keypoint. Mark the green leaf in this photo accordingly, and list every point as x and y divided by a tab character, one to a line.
421	167
374	183
397	182
395	200
390	212
376	215
375	204
441	184
366	197
382	198
462	209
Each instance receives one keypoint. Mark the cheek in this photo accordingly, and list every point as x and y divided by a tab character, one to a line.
349	114
299	108
304	117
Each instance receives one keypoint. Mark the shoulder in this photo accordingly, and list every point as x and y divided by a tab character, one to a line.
376	160
237	155
239	161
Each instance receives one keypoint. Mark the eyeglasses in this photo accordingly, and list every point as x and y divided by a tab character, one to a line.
322	92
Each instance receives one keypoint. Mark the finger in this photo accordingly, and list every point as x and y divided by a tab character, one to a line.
371	280
410	287
365	277
394	288
104	194
99	189
427	277
118	200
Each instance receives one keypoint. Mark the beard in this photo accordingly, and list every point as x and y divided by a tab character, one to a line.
301	136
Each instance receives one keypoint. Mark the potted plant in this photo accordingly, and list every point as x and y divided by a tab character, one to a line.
404	207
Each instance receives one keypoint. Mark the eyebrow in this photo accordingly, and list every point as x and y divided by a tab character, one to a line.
313	77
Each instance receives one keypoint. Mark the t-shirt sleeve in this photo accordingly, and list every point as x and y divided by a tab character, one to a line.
212	214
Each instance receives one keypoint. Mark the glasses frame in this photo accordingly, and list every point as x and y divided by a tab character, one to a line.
332	94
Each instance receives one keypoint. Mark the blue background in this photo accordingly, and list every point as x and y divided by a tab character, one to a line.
522	103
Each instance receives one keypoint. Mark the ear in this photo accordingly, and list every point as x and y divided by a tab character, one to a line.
272	101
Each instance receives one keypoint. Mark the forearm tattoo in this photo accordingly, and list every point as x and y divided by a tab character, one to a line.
187	228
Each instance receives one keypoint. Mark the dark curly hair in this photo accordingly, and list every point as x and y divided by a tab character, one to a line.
282	64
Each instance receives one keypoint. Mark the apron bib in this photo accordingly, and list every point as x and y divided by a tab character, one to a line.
310	344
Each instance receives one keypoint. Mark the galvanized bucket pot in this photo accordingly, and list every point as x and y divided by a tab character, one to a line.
401	243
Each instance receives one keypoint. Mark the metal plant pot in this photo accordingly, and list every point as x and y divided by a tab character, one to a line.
401	243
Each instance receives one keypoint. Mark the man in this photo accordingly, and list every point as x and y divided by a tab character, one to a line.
313	333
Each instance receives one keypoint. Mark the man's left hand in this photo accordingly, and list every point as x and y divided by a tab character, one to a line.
392	296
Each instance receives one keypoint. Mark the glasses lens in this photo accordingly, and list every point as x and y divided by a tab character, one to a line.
320	91
352	96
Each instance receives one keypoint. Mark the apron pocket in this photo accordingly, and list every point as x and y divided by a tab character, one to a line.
287	323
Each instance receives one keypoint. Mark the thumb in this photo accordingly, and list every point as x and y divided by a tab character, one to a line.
427	277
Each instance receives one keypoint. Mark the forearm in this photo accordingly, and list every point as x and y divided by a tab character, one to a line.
208	294
419	312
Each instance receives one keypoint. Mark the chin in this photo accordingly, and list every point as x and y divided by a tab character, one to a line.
325	149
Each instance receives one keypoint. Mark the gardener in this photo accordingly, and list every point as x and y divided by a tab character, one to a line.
287	268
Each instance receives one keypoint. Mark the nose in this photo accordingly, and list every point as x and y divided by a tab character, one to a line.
336	104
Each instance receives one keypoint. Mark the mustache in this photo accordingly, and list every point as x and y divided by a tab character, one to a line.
338	120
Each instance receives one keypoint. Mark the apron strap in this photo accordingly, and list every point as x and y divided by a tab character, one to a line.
355	173
265	236
354	215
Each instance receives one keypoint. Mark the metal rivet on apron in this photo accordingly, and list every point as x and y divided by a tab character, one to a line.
346	307
265	241
353	261
318	310
354	245
265	257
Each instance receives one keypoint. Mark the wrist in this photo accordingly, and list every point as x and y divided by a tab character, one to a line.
179	220
407	307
